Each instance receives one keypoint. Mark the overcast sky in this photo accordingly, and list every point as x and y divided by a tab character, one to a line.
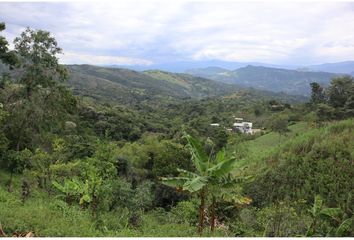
128	32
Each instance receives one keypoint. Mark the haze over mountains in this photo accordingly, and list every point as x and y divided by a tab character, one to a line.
183	66
340	67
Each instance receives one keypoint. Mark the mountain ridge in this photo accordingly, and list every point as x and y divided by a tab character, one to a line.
265	78
345	67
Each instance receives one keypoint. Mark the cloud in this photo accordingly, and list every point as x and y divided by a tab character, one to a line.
73	58
145	32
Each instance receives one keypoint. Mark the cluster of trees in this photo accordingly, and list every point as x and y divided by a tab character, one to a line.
336	101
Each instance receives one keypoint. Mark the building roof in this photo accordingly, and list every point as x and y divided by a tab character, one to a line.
242	124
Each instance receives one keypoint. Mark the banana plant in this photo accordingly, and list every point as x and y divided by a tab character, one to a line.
211	173
70	189
74	189
320	212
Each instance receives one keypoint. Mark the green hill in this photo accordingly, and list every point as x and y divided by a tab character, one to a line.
263	146
128	86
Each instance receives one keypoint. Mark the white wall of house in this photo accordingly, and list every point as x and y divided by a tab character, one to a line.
244	127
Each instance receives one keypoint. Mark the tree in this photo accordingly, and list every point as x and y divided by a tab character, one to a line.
37	52
210	172
6	56
317	93
279	124
349	104
38	102
339	91
16	162
325	112
340	95
335	102
3	140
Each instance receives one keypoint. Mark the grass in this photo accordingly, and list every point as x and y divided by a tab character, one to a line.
163	76
48	216
263	146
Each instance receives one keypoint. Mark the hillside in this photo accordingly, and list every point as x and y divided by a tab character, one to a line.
265	78
317	161
263	146
128	86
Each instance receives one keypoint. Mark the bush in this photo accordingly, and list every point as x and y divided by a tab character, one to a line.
185	212
54	219
318	162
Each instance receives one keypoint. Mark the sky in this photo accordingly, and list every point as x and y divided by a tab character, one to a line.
154	32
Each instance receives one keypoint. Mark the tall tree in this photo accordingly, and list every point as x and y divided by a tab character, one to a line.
317	93
340	96
38	101
37	51
6	56
340	90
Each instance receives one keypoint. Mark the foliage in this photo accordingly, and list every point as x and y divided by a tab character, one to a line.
327	221
335	102
279	124
318	162
6	56
318	94
212	174
37	101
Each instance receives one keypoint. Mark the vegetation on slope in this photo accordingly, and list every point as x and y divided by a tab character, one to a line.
128	86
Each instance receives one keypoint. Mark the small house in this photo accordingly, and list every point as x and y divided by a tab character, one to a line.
243	127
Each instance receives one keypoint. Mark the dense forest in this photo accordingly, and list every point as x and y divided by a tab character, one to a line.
93	151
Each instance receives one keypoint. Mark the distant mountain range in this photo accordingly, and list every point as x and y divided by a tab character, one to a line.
340	67
265	78
182	66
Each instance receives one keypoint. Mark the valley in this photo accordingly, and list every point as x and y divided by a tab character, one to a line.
88	150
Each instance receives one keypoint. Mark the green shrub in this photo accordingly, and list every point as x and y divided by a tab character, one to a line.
185	212
318	162
44	217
